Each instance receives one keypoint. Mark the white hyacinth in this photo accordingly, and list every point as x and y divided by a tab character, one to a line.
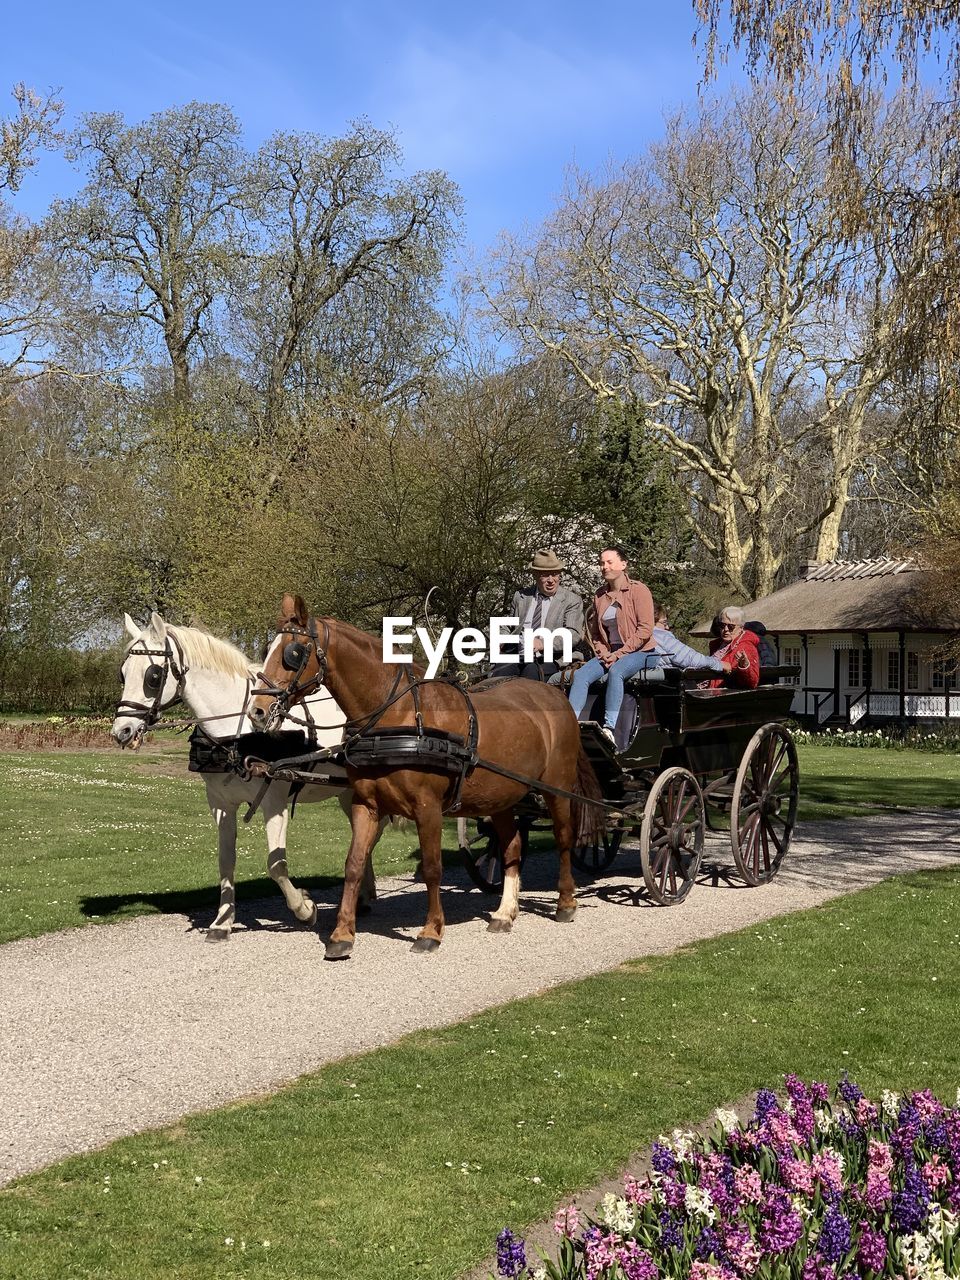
915	1250
728	1120
941	1222
890	1104
618	1214
698	1201
800	1206
683	1142
824	1120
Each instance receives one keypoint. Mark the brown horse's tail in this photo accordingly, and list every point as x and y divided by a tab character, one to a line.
588	819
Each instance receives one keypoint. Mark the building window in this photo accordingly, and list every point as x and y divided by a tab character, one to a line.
854	668
792	657
942	673
913	671
893	669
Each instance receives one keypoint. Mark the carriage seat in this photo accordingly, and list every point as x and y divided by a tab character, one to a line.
773	675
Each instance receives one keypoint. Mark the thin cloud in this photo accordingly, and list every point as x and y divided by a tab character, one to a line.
463	106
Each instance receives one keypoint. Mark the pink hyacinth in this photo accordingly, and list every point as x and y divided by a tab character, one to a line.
782	1135
709	1271
567	1221
879	1189
741	1247
748	1184
600	1253
826	1166
935	1173
797	1175
638	1193
865	1113
928	1106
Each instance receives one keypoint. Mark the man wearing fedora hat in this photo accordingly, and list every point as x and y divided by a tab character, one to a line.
545	603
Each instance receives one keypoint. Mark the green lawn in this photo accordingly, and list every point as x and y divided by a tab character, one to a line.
93	837
843	781
97	836
408	1161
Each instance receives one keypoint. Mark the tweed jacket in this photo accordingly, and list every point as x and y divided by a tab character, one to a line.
565	611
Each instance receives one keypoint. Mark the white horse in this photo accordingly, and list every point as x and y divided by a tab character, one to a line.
164	664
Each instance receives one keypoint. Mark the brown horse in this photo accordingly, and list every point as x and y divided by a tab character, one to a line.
525	727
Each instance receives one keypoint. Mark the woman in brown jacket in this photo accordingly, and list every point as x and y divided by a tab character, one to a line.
621	631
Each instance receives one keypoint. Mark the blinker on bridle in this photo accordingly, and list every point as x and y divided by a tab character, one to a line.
154	680
294	656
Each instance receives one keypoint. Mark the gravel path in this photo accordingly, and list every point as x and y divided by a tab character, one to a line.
110	1030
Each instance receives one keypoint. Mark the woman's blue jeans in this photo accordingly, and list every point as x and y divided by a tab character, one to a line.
614	678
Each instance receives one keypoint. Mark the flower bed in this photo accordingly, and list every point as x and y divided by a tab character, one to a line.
807	1188
56	733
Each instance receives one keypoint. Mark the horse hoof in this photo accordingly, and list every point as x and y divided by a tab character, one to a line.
426	944
338	951
565	915
216	934
499	926
310	920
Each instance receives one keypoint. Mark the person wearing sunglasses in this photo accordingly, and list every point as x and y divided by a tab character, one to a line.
739	648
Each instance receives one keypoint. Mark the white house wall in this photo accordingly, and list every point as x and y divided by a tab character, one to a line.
925	700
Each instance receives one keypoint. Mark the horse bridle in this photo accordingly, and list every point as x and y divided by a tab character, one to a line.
155	680
295	657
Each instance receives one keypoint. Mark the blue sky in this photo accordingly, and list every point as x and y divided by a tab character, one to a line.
502	96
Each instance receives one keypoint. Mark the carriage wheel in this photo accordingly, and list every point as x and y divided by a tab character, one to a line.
671	837
764	807
482	856
594	858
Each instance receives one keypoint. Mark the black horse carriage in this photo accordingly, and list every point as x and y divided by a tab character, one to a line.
688	759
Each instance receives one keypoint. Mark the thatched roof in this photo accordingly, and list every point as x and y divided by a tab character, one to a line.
861	595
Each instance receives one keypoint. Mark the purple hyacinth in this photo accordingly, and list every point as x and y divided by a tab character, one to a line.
799	1095
782	1226
511	1255
671	1237
851	1093
910	1205
819	1093
849	1127
766	1103
662	1158
872	1250
707	1243
937	1135
907	1131
834	1235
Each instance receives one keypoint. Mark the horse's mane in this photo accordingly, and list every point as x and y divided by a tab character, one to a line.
204	650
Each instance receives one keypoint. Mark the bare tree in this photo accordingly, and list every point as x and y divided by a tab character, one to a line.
710	283
155	222
349	260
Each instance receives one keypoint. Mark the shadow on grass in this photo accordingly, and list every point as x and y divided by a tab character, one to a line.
926	790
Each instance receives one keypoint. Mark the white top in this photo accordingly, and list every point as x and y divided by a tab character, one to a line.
610	622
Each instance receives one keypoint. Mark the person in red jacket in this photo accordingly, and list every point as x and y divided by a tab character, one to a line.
739	647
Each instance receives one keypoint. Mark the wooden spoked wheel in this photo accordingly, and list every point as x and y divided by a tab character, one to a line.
671	837
482	855
764	807
594	858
